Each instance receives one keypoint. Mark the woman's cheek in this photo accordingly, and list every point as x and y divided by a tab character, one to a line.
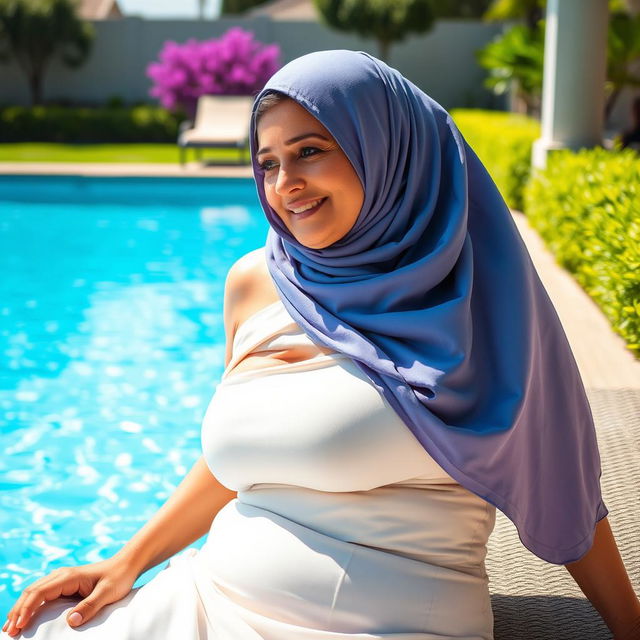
271	195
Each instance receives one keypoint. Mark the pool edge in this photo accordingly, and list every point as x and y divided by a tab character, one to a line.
117	169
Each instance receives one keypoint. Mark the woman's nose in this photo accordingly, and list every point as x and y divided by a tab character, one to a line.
288	180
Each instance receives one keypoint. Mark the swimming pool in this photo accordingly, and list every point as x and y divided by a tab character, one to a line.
112	344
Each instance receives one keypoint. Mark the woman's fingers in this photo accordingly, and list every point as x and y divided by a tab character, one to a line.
99	584
49	588
88	608
14	620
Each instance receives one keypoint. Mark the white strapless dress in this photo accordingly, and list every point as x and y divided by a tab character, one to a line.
344	526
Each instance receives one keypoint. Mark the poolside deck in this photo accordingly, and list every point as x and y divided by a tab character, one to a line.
531	599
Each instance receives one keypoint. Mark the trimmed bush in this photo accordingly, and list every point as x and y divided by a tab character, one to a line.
503	143
141	123
585	207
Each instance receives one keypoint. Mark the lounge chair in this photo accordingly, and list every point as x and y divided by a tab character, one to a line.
221	121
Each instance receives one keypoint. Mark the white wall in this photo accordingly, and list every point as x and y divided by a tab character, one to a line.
441	62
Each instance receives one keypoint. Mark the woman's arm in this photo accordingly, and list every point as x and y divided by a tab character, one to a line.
184	518
601	575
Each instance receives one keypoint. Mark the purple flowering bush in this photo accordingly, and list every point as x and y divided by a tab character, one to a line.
234	64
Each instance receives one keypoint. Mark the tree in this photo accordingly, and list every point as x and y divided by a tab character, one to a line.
445	9
387	21
623	51
238	6
516	58
35	31
531	11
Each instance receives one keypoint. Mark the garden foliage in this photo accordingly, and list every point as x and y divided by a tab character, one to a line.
141	123
585	206
234	64
516	58
503	143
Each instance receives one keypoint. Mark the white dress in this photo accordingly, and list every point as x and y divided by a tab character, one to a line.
344	527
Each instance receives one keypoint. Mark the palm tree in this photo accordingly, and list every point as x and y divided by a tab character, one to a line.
532	11
35	31
623	48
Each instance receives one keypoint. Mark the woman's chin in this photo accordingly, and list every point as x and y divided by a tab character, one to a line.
315	236
312	241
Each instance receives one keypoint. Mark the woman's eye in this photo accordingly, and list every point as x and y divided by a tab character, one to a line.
267	164
308	151
304	152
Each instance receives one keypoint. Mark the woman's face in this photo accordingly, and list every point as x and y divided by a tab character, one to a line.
308	180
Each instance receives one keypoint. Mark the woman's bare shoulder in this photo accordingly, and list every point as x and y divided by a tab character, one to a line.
248	288
249	277
248	263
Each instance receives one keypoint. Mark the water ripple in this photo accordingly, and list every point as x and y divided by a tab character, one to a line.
111	343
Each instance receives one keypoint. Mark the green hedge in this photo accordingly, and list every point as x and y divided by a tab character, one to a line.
503	143
141	123
585	207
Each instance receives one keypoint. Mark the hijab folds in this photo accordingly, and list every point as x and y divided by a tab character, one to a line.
433	294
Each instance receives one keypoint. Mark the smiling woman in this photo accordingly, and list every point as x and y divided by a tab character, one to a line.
308	180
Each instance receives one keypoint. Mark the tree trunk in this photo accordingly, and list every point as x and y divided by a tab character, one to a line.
533	16
610	103
35	87
534	106
518	100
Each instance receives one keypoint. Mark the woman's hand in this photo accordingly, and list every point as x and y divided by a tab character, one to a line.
603	578
99	583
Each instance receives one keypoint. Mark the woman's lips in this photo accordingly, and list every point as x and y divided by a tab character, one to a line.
308	212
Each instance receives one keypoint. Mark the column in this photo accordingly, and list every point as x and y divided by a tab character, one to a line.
575	58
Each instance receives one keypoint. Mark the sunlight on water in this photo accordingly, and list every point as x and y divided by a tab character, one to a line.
112	343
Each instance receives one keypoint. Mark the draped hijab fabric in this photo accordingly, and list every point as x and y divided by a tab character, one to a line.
434	295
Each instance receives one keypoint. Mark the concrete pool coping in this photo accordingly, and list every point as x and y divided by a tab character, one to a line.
119	169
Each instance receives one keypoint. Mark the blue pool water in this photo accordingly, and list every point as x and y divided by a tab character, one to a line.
111	345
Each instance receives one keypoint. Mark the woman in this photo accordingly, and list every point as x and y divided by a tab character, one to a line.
395	372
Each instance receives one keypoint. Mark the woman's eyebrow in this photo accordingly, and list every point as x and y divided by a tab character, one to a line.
302	136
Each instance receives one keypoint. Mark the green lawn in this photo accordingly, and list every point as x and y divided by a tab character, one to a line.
51	152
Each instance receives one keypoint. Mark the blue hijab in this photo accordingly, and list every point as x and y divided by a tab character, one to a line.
433	294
